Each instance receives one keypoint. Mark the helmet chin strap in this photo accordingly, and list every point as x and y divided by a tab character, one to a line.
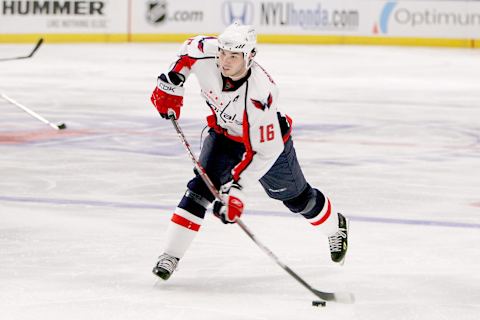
248	62
248	57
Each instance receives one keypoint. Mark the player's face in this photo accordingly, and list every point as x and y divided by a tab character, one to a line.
231	63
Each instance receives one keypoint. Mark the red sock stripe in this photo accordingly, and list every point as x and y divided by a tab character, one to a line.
325	216
185	222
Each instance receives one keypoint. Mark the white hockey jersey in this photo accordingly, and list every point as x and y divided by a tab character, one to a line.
244	111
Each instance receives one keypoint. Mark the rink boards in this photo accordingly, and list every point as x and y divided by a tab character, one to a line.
366	22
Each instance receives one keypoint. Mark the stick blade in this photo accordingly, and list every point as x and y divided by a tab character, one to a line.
39	43
340	297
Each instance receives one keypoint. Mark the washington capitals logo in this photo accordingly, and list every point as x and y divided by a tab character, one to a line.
262	105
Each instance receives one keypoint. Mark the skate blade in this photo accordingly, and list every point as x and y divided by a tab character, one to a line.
342	262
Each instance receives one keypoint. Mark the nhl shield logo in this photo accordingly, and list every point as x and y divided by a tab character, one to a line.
157	11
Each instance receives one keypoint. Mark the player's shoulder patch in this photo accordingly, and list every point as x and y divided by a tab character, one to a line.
263	91
263	104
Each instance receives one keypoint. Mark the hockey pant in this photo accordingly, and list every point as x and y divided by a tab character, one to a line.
284	181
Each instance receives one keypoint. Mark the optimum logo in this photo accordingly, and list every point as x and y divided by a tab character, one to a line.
384	18
428	17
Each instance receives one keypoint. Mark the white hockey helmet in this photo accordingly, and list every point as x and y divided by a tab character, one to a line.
239	38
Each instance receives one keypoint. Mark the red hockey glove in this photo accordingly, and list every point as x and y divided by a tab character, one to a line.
233	203
168	95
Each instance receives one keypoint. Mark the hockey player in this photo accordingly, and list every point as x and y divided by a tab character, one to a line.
249	140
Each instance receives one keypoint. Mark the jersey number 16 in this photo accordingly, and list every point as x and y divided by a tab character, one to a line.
267	133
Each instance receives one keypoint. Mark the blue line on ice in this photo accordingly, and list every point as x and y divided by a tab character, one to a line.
125	205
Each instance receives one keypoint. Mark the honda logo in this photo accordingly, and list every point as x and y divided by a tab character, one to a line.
240	11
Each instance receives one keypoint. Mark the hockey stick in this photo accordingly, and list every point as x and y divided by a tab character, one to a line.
342	297
60	126
39	43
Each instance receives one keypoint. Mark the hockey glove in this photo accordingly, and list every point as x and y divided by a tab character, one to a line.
168	95
232	207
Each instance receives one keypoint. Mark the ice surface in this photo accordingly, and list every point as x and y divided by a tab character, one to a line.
392	135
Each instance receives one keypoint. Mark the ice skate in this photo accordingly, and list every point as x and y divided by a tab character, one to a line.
339	241
165	266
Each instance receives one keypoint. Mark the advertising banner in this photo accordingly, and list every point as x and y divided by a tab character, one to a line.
432	22
173	17
63	17
270	17
309	17
434	19
396	18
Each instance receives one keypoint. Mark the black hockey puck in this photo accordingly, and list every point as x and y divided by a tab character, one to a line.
318	303
62	126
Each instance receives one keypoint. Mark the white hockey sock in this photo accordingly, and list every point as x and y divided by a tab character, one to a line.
326	220
182	229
